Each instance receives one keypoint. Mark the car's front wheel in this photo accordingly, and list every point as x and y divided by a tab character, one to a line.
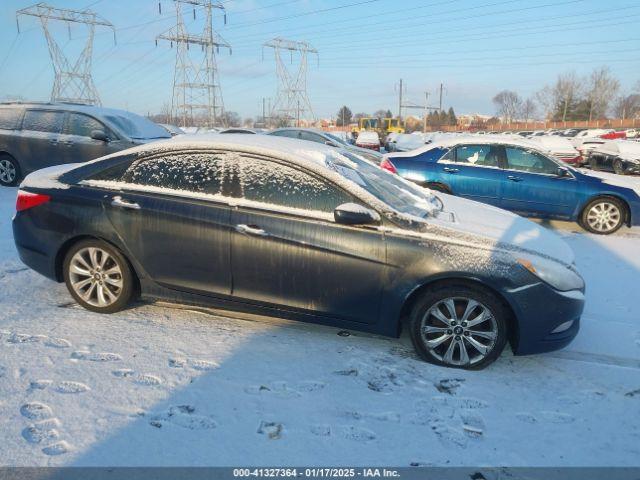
603	216
459	326
618	167
98	276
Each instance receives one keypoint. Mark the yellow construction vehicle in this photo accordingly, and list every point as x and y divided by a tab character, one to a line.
392	125
368	124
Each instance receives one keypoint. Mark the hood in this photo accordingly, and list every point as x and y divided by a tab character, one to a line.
505	227
47	178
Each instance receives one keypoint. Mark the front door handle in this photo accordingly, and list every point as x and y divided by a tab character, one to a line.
451	170
251	230
118	201
513	178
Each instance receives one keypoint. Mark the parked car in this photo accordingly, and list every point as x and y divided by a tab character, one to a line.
632	133
314	234
406	142
560	147
249	131
614	135
37	135
518	175
368	140
589	134
172	129
389	141
326	138
619	156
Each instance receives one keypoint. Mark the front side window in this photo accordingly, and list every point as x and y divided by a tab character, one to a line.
311	137
478	155
82	125
269	182
9	118
525	160
286	133
43	121
187	172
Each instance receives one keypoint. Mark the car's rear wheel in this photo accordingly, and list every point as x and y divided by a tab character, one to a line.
618	167
98	276
603	215
459	326
9	171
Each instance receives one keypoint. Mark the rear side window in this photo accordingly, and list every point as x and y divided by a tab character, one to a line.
287	133
432	155
82	125
273	183
190	172
529	161
311	137
479	155
43	121
9	118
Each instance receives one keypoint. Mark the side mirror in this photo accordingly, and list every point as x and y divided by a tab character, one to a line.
563	172
99	135
354	214
330	143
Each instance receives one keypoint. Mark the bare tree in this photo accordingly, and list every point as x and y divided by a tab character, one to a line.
566	92
547	101
508	104
602	89
627	106
528	109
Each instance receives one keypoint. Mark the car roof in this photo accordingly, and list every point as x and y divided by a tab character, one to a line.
70	107
475	140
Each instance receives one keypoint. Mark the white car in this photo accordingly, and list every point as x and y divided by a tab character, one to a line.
369	140
560	147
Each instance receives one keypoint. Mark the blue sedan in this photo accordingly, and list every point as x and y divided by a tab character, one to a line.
518	176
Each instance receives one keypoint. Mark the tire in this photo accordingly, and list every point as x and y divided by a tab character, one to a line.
10	174
98	290
490	334
603	215
618	167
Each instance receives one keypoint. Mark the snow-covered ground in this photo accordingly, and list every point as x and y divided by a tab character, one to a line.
163	385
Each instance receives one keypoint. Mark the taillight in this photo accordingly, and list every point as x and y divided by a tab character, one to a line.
28	200
577	160
387	165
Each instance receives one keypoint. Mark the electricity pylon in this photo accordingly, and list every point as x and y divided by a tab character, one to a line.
196	84
72	82
292	100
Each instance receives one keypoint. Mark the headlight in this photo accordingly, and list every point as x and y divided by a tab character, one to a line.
555	274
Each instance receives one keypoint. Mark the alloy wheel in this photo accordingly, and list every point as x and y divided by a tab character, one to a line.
96	276
459	331
7	172
604	217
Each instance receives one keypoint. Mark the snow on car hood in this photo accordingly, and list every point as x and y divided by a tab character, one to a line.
502	226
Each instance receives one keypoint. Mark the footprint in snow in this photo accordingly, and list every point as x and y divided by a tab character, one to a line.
25	338
58	448
526	417
321	430
71	387
183	416
95	357
557	417
357	434
196	364
36	411
145	379
473	425
122	373
44	431
39	384
272	430
461	402
280	389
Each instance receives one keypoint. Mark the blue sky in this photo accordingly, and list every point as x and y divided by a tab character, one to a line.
475	47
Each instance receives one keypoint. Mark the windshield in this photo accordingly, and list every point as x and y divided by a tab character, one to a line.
389	188
136	127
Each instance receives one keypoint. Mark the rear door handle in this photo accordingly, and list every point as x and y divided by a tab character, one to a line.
53	141
118	201
251	230
451	170
513	178
68	143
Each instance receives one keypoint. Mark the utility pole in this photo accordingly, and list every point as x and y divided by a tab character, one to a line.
440	97
73	81
196	84
264	118
292	96
400	101
426	109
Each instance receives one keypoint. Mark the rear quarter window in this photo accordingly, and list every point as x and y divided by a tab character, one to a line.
43	121
9	118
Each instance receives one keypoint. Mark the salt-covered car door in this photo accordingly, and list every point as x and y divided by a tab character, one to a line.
287	251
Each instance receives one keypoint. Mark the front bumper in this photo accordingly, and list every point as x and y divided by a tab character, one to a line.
540	309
